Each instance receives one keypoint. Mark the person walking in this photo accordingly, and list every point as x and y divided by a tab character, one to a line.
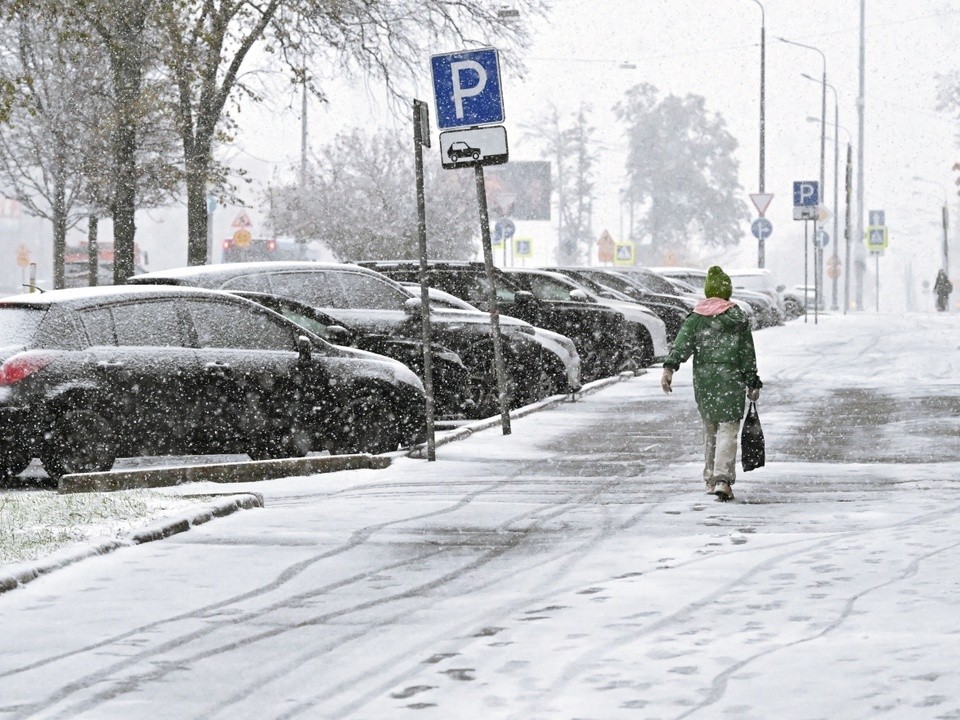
717	334
942	287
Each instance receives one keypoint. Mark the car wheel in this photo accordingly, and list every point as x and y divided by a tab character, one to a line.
12	463
793	308
369	425
483	396
79	441
291	442
476	154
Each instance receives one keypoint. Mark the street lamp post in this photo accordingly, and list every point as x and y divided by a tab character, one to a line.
761	260
818	254
945	222
836	188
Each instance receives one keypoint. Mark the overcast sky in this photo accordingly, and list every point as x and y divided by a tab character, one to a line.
711	48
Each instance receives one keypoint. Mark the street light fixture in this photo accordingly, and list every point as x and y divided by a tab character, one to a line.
818	254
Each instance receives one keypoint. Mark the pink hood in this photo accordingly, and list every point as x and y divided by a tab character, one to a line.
711	307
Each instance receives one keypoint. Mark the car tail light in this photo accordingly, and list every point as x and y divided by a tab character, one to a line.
226	244
271	245
21	366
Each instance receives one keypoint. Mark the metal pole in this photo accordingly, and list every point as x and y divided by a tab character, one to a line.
946	224
761	241
877	256
861	103
806	262
818	251
816	286
836	199
846	233
419	109
492	299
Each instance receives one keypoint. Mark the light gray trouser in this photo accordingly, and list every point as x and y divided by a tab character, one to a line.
720	451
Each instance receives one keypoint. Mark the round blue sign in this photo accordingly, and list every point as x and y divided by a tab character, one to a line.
761	228
821	239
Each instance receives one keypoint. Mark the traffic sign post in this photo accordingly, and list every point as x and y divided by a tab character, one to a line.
806	206
624	254
421	139
877	240
761	201
468	94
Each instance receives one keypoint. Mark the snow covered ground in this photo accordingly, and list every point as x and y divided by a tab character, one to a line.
573	569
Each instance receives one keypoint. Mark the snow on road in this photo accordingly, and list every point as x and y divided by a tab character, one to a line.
573	569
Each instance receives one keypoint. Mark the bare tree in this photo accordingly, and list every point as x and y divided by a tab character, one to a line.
570	146
45	160
209	41
359	201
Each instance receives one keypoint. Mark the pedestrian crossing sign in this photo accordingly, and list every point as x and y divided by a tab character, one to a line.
522	247
623	254
877	238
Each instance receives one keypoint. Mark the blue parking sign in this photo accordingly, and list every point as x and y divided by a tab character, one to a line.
806	193
467	88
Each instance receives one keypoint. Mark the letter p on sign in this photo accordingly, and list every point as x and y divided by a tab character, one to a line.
467	88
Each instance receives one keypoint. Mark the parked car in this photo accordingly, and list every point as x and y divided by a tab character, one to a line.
763	309
450	376
646	332
374	304
562	346
671	310
761	280
598	332
92	374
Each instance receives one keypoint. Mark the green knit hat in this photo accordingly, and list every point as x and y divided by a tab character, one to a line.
718	284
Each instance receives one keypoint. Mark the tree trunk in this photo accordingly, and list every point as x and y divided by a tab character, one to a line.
125	187
93	252
59	232
197	163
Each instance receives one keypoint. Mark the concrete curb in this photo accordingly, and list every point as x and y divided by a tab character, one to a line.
233	472
465	431
22	573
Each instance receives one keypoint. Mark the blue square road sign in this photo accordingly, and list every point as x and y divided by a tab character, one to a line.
467	88
806	193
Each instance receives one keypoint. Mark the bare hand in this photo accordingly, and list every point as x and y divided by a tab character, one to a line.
666	380
753	394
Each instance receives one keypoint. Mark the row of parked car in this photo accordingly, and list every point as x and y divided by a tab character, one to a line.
278	359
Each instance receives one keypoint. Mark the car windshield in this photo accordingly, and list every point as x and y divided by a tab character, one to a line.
18	325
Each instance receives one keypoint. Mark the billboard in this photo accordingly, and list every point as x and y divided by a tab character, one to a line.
520	190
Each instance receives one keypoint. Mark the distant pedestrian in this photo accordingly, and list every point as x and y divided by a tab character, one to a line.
717	334
942	287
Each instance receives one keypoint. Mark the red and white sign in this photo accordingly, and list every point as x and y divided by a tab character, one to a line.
761	201
242	220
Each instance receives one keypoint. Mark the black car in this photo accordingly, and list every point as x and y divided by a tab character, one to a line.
376	305
451	377
598	332
92	374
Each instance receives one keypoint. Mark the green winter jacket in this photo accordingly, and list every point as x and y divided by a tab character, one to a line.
724	362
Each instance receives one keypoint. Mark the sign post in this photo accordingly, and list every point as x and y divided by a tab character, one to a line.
761	201
469	97
877	239
421	138
806	207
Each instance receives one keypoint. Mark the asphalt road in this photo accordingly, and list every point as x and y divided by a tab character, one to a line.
574	569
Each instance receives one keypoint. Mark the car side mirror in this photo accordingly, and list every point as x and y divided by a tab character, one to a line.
524	297
338	335
579	295
413	306
304	348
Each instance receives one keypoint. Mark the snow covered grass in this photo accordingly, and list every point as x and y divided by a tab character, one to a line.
36	524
